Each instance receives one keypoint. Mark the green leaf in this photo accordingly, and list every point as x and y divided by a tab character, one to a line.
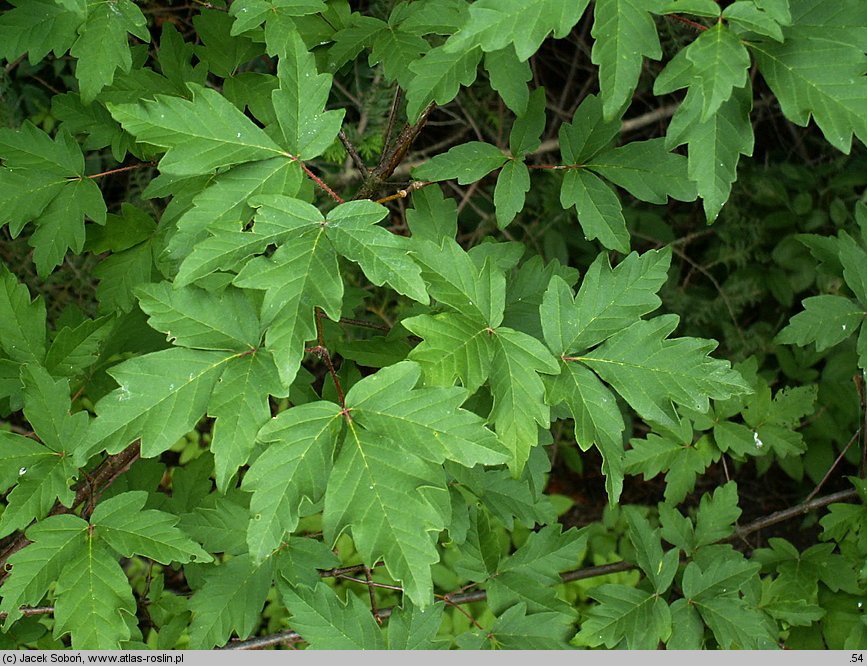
818	69
467	162
124	524
825	320
55	541
588	133
452	347
519	405
715	146
719	65
47	407
438	76
526	134
608	301
159	399
240	406
76	348
517	630
647	170
22	322
382	255
658	566
625	617
195	147
432	217
250	14
94	601
854	260
394	47
412	628
599	211
513	183
325	622
682	461
651	371
625	34
429	420
16	453
36	27
749	16
230	600
103	44
494	24
294	466
598	421
717	514
306	127
198	319
509	77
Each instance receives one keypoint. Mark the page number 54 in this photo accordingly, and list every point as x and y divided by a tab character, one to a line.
857	657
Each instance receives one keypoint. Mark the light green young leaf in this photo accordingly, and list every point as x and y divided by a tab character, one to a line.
826	320
468	162
599	211
294	466
194	146
124	524
240	406
300	102
651	371
438	76
230	601
519	395
719	65
54	542
625	33
509	77
327	623
608	301
93	600
382	255
198	319
103	45
159	399
513	183
626	617
818	69
494	24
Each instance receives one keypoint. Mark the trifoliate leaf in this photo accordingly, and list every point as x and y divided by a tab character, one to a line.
494	24
294	466
193	146
124	524
625	34
467	162
325	622
230	601
160	398
818	69
306	127
251	14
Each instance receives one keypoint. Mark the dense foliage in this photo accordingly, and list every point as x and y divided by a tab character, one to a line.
435	323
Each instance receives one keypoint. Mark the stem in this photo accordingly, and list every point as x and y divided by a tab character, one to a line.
119	170
353	153
402	194
316	179
697	26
